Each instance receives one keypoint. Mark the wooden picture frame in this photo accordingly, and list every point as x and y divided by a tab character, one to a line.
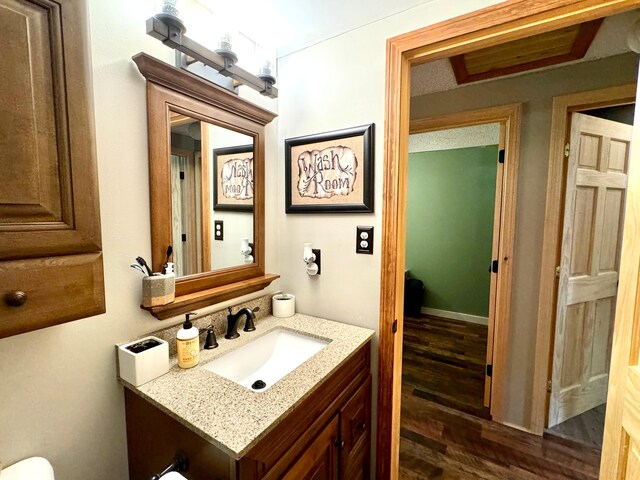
222	202
346	187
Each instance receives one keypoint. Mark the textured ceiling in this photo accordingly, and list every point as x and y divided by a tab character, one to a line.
462	137
611	40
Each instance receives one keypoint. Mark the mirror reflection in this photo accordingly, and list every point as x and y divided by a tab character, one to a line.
211	196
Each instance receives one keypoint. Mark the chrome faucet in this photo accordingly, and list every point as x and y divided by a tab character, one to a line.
232	322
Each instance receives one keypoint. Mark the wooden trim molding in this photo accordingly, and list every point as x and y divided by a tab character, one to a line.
618	447
211	296
509	116
180	80
562	108
497	24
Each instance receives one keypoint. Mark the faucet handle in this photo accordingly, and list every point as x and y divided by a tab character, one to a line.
249	325
257	309
211	341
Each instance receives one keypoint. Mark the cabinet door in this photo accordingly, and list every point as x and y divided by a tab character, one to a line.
49	208
320	460
355	432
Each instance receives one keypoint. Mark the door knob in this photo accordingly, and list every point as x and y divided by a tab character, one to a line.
15	298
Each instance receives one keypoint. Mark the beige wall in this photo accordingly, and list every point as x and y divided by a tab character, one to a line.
340	83
58	394
535	91
58	391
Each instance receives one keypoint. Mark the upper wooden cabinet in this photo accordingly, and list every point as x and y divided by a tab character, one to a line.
50	247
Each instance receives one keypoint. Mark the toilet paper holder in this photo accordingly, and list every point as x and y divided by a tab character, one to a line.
179	464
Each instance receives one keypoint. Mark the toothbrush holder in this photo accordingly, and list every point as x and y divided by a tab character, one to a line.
158	289
143	360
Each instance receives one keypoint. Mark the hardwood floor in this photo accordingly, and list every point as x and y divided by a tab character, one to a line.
444	360
435	350
586	428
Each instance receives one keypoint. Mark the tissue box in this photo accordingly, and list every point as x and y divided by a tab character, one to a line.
143	360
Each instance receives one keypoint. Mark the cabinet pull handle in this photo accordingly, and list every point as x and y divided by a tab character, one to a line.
361	426
16	298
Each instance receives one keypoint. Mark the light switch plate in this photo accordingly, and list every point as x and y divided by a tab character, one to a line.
364	240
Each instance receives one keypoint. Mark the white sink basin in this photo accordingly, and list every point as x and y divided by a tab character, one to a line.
267	358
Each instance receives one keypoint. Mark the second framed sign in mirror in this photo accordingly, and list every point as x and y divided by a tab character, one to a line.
204	155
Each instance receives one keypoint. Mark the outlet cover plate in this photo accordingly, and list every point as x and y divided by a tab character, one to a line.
218	230
364	245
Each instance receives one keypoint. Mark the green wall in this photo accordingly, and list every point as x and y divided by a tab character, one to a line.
450	226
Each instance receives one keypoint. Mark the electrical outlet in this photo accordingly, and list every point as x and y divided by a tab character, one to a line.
218	230
364	240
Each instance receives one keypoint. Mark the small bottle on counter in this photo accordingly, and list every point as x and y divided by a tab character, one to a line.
188	343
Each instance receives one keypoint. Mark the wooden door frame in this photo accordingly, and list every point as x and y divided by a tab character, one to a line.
510	117
563	107
506	21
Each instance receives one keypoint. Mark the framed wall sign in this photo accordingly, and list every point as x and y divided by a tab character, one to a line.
233	178
330	172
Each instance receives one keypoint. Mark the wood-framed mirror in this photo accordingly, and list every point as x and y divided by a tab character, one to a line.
206	184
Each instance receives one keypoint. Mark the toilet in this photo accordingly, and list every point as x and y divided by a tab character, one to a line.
34	468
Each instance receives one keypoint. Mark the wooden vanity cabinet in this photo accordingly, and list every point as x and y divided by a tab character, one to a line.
327	436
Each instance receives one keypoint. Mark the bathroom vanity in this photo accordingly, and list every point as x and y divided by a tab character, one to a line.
312	423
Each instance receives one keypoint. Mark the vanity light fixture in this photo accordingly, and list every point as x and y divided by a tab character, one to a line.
225	50
246	250
311	257
167	27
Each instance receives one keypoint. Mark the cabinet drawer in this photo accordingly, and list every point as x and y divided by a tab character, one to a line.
58	290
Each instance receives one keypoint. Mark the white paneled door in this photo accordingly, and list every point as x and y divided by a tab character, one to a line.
594	208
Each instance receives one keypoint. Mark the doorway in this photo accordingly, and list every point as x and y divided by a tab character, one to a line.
504	22
462	252
453	191
596	178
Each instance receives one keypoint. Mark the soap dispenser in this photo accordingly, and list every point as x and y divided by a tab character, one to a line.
188	343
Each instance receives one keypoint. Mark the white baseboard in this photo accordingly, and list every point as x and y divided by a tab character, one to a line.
464	317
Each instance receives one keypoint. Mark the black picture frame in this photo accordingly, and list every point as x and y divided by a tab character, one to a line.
366	206
217	204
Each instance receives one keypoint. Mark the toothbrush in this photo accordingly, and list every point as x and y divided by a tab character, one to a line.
139	268
142	263
165	267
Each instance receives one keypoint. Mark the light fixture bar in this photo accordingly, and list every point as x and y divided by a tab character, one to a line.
172	36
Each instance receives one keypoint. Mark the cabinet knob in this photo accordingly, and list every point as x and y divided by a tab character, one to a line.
15	298
361	426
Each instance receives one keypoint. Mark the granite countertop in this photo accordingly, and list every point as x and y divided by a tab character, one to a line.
233	417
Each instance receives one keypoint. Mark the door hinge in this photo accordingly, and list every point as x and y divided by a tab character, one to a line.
181	175
184	237
558	271
494	266
394	326
489	370
549	386
567	150
501	156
